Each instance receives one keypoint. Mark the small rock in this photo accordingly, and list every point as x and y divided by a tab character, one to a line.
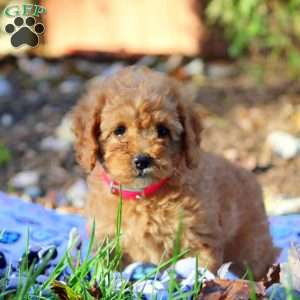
284	144
60	199
83	66
77	192
147	61
220	70
6	120
38	68
25	179
231	154
112	69
71	85
160	67
64	131
173	62
33	97
44	88
55	144
194	67
5	87
281	205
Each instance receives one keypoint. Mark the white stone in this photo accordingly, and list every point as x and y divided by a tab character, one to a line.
220	70
25	179
284	144
173	62
194	67
147	61
55	144
71	85
5	87
113	69
64	130
6	120
77	192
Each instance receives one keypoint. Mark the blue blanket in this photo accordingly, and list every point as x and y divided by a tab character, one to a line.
20	220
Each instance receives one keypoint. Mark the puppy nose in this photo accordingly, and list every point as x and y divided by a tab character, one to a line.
142	161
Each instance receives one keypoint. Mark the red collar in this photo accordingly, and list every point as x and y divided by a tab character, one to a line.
131	194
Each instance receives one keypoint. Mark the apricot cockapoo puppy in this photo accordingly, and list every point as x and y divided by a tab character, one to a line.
138	135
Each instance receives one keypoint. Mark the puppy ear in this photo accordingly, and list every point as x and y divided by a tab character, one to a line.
190	119
86	126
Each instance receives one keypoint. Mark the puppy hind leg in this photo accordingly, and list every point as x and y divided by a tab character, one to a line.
252	250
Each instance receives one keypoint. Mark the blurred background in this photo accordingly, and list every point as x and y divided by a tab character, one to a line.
240	58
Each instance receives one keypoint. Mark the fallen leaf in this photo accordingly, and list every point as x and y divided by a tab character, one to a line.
95	291
220	289
64	292
272	276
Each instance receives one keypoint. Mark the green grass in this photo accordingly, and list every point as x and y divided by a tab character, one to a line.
79	286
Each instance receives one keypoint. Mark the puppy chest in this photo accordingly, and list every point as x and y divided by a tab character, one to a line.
149	233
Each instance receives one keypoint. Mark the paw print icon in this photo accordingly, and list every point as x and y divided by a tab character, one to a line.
25	31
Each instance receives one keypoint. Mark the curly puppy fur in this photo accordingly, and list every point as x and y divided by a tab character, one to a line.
223	213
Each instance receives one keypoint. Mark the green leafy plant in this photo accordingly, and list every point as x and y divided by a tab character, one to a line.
5	155
259	27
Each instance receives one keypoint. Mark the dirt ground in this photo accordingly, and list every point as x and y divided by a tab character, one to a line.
238	115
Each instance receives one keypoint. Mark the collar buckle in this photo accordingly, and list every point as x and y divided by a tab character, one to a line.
113	187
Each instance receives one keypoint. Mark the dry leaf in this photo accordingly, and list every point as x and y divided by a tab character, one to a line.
273	276
231	290
63	292
95	291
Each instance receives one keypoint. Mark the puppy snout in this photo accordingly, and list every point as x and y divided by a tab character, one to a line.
142	161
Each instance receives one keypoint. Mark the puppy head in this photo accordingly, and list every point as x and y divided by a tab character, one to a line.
140	127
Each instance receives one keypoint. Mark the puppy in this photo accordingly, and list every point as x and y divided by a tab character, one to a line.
138	137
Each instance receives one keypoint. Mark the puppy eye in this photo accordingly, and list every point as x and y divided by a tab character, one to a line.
162	130
120	130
